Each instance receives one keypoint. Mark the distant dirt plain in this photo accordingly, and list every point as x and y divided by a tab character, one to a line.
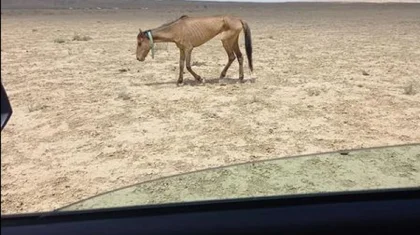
89	118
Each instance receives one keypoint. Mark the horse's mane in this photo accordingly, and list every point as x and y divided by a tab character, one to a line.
167	24
144	34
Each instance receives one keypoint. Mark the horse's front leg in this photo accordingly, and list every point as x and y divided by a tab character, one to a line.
188	60
180	81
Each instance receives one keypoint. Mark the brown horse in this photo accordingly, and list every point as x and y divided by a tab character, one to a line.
190	32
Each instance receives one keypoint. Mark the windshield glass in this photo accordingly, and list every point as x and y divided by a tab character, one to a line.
112	93
365	169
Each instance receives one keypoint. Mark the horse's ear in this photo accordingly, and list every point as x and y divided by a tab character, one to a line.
140	35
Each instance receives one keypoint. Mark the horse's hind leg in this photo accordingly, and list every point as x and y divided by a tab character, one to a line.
238	54
181	67
188	61
231	56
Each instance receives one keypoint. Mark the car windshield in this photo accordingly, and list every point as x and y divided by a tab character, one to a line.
202	100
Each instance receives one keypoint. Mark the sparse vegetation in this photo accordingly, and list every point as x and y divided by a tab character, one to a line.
198	64
123	96
254	99
411	88
210	115
364	73
36	107
59	40
313	92
78	37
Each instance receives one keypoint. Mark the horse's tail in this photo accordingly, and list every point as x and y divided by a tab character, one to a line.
248	43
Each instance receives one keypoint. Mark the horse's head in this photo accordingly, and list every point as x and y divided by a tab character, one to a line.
143	46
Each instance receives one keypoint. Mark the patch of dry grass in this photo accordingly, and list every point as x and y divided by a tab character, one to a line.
36	107
411	88
313	92
81	38
198	64
59	40
124	96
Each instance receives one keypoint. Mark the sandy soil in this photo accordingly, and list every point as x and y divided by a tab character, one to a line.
89	118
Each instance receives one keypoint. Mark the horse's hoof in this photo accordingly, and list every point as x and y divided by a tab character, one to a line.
180	84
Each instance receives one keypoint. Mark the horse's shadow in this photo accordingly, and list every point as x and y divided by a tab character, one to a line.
212	81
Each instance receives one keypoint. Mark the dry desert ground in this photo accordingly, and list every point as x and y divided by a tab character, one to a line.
89	118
